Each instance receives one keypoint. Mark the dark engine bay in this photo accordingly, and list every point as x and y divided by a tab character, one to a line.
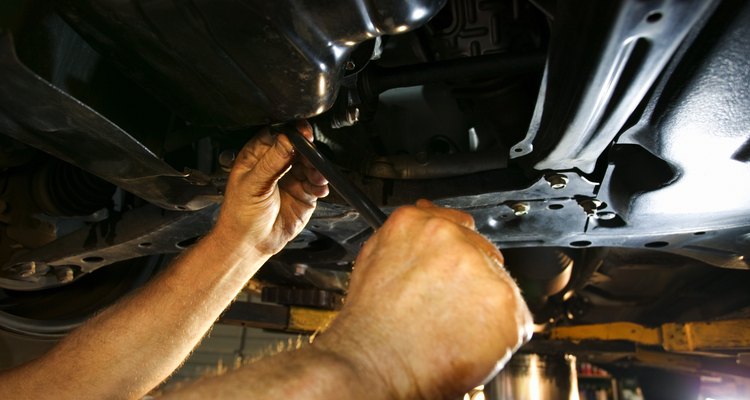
603	146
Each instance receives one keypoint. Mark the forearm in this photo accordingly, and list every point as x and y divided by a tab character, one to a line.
309	373
134	345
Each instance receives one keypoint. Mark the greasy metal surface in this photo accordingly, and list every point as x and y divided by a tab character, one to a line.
144	231
402	166
236	63
588	97
376	79
40	115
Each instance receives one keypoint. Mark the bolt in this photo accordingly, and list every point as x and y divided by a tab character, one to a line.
21	270
590	206
64	274
299	269
352	115
226	159
605	215
29	269
520	209
350	65
557	181
344	117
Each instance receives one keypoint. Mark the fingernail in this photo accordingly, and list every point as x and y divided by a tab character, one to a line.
286	146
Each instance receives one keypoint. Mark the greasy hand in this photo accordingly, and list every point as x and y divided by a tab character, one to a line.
271	194
431	312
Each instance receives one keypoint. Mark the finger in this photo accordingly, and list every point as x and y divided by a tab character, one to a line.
296	189
305	129
271	166
298	214
486	247
315	177
298	172
253	150
424	203
316	190
456	216
301	173
306	162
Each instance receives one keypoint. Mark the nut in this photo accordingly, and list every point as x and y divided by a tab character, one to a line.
520	209
350	65
64	274
557	181
352	115
27	269
590	206
226	159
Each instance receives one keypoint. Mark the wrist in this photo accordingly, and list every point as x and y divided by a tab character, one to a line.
225	243
354	378
370	359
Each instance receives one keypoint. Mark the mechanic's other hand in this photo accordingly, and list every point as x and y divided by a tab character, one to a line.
271	194
431	312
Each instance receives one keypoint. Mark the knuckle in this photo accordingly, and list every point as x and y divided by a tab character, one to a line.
265	168
245	158
468	218
405	215
442	228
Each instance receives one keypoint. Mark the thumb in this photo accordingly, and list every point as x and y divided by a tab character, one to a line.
271	166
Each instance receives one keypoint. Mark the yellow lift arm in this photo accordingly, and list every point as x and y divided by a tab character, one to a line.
676	337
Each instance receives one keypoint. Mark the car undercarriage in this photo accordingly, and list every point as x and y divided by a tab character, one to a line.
604	147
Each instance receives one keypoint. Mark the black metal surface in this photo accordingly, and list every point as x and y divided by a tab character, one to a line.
369	211
236	63
437	166
61	189
141	232
378	79
51	314
38	114
603	59
671	175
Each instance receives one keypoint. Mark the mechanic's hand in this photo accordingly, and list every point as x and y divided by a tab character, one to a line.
431	312
271	194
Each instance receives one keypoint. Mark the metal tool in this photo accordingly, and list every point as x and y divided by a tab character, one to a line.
366	208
